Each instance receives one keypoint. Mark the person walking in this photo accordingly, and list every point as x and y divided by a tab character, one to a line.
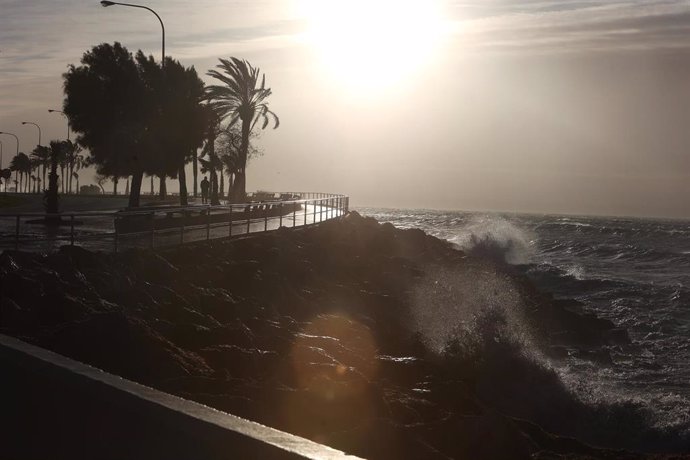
204	190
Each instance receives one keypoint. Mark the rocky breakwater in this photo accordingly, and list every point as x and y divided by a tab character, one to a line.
381	342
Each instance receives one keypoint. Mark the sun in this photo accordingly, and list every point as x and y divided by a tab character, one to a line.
373	43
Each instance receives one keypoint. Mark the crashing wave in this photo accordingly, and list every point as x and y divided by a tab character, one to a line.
495	238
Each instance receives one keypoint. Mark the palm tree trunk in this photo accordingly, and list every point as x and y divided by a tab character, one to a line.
114	185
135	191
51	199
162	190
212	166
221	189
195	171
230	186
182	176
240	189
44	174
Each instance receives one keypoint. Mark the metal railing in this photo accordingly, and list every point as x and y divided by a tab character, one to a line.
162	226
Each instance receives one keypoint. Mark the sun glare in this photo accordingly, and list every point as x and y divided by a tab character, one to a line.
373	43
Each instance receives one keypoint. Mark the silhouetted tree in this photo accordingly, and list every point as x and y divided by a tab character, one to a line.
50	197
100	180
228	146
73	161
108	104
132	117
241	98
41	154
180	128
21	164
6	175
211	163
36	168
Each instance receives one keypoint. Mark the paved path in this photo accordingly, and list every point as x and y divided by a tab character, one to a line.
97	232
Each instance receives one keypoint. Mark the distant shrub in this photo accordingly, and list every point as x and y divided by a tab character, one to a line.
90	189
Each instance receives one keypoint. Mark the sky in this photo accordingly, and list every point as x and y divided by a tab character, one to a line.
545	106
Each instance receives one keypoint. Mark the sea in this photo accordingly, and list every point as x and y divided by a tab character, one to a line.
634	272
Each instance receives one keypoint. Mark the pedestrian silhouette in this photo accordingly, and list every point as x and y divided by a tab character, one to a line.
204	190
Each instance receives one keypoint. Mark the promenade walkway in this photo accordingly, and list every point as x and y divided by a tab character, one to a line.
163	226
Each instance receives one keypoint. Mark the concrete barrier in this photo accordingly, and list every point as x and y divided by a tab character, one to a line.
54	407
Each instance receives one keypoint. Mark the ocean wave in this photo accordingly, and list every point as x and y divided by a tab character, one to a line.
492	343
495	238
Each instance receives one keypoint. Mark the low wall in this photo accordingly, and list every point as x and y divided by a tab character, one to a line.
54	407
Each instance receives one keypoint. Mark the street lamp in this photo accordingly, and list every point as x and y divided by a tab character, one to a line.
36	125
105	3
63	114
16	138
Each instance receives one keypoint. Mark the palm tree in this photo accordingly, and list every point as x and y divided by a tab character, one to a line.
242	98
76	176
41	155
22	166
35	166
14	166
73	161
100	180
211	164
227	150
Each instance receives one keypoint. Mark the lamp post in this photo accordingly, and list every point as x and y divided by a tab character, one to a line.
16	138
105	3
36	125
63	114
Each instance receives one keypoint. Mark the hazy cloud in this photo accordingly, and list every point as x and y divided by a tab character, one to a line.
572	26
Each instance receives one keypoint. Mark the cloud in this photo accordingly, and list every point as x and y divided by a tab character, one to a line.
577	26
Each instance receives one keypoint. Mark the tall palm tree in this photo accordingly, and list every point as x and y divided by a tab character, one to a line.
21	165
41	155
35	166
241	98
14	166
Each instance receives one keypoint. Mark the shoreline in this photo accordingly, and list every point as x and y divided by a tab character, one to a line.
380	342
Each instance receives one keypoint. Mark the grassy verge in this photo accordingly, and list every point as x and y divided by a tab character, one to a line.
7	201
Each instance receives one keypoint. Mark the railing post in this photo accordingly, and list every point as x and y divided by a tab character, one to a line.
280	211
230	222
321	210
208	223
265	217
249	215
71	230
16	235
294	214
153	228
